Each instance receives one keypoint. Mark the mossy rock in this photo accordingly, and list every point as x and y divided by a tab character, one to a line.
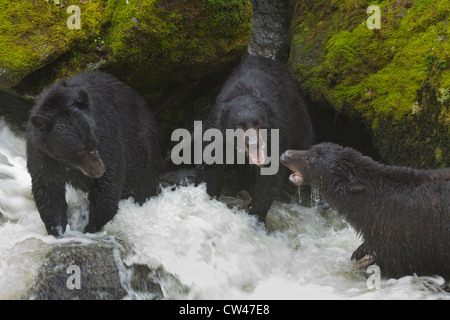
396	78
177	41
34	33
150	44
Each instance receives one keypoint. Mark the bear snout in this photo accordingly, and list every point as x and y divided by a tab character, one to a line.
294	158
92	165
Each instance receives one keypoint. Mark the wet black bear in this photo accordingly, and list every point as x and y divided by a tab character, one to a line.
95	133
403	214
260	94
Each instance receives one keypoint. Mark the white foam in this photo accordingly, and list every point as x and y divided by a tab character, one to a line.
211	251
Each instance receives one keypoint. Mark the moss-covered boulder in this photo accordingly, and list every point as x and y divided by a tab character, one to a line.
150	44
34	33
396	78
176	41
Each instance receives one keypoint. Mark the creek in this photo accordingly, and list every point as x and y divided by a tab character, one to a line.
182	244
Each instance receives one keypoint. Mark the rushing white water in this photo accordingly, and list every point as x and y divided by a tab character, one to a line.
207	249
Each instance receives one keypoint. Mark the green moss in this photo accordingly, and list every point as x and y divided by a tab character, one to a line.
155	43
34	33
227	12
391	77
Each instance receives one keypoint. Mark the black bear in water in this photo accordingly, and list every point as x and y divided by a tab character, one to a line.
402	214
97	134
260	94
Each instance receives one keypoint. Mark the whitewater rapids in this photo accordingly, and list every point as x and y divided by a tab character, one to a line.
206	249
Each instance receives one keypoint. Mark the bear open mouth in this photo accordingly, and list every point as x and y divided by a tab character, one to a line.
296	178
295	160
258	158
255	147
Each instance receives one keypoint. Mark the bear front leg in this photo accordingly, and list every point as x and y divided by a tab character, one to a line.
213	177
263	194
52	206
360	253
103	206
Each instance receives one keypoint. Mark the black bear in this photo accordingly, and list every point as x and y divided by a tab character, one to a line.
402	214
96	134
260	95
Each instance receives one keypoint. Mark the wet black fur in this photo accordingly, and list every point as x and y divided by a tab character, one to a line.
258	91
403	214
90	111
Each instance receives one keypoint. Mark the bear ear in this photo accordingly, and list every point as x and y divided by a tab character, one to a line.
41	123
82	100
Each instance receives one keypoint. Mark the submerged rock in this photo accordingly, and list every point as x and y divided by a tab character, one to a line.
181	177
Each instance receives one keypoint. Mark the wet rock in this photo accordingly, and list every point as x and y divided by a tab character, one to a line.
14	110
270	35
102	275
364	263
182	177
447	287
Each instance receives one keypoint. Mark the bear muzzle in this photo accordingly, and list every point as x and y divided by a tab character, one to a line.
255	147
92	165
295	160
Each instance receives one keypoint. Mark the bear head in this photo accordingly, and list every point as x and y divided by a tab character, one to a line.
65	130
330	166
252	115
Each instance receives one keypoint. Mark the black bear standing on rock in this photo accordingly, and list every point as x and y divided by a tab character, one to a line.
260	94
97	134
403	214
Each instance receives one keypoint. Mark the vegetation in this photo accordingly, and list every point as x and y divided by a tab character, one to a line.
396	78
34	33
175	41
150	44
